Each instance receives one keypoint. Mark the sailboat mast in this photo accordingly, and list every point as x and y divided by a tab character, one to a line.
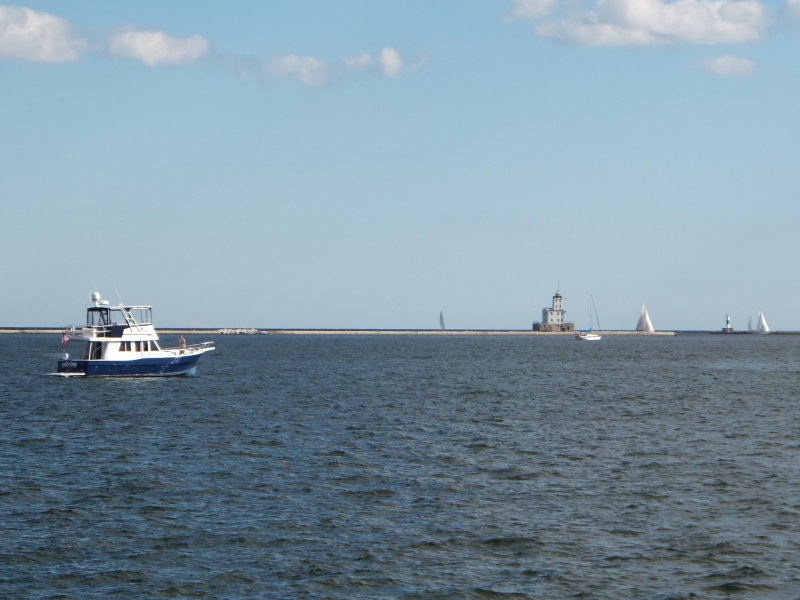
592	306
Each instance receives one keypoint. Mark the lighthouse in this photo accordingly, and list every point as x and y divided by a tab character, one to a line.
727	328
554	319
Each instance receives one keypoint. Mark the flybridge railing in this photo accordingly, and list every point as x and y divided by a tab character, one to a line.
95	330
192	348
102	331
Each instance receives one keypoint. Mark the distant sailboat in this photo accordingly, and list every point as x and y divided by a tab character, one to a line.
589	335
645	324
441	320
761	326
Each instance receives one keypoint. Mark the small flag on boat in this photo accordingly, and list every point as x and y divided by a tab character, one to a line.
65	339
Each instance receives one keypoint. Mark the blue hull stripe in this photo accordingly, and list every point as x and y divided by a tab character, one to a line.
142	367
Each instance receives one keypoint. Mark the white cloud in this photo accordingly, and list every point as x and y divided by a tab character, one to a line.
793	6
652	22
391	61
531	9
29	35
155	48
728	65
40	37
306	69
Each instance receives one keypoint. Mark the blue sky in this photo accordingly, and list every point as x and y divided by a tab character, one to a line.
368	164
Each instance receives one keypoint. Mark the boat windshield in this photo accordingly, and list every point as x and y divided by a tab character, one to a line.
103	316
141	314
97	317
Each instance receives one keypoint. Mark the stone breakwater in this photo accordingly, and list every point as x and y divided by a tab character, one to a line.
422	332
255	331
239	331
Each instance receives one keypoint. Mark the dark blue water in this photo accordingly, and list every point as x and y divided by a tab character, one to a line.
408	467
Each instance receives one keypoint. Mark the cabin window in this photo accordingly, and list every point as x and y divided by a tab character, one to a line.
154	346
124	346
136	346
145	346
97	317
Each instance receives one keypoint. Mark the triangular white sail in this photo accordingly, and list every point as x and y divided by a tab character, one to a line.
644	324
761	326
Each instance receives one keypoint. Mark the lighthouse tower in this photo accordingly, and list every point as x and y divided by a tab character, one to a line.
727	328
554	319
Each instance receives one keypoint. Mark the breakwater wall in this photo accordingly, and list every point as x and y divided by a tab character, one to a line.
255	331
435	332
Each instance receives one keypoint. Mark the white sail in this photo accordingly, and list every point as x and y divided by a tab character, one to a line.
644	324
761	326
441	321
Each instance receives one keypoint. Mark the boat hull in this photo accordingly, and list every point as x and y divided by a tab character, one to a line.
587	337
142	367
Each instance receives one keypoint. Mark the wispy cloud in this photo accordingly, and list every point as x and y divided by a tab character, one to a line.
156	48
314	72
729	65
531	9
651	22
362	62
39	37
793	7
389	62
305	69
36	36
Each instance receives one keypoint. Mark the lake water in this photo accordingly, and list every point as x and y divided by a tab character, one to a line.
408	467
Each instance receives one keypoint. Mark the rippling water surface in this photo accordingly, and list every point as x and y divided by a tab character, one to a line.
408	467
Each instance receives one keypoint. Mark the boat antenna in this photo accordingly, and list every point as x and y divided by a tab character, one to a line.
118	294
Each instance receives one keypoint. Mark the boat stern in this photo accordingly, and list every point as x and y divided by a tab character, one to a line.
68	366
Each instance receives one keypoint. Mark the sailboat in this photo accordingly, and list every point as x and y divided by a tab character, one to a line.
441	320
645	324
761	326
589	335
